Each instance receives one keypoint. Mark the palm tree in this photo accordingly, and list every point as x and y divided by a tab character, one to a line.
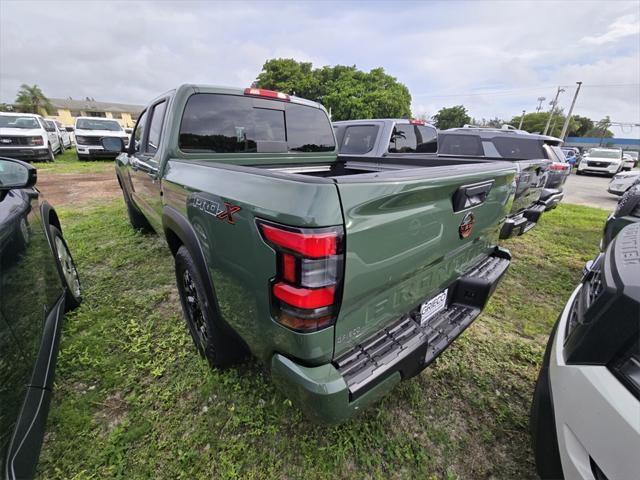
30	99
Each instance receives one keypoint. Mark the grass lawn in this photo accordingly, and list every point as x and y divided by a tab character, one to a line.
68	163
134	400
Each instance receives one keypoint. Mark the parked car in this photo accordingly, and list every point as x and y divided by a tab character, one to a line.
627	162
25	136
634	156
626	212
621	182
89	131
64	134
51	126
38	283
585	419
601	160
342	276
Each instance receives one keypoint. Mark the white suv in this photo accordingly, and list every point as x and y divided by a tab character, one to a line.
26	136
601	160
89	131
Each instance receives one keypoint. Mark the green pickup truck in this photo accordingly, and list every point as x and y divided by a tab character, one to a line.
343	279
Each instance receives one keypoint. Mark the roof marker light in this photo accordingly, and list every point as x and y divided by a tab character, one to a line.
261	92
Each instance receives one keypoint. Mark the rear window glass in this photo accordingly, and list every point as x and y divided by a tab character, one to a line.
359	139
460	145
519	148
407	138
236	124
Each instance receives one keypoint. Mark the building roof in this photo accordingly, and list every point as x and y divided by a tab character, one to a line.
94	106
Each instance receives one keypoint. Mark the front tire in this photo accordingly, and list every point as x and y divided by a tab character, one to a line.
219	348
67	268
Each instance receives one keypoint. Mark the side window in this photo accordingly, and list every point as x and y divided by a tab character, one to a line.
519	148
451	144
138	132
359	139
155	127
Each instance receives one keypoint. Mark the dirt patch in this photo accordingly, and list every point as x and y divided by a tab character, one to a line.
113	411
78	189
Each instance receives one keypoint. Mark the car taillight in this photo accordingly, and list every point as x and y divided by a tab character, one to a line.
37	141
261	92
309	264
559	166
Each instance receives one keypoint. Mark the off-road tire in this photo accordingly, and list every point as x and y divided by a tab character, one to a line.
67	268
198	307
629	202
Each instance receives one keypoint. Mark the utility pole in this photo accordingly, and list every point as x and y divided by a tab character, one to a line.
539	107
563	135
521	120
553	104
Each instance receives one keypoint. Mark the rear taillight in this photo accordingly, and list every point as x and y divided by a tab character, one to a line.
309	265
261	92
559	166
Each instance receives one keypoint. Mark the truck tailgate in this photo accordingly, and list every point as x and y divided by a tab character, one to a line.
404	240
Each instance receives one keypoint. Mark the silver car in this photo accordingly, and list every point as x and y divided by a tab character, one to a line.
622	181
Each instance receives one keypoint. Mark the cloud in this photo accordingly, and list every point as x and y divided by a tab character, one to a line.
625	26
494	57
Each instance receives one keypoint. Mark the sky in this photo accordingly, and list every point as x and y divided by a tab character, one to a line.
494	57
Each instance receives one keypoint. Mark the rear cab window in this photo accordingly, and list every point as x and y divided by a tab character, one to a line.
358	139
221	123
409	138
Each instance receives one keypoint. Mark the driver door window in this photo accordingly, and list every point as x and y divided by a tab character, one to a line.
138	133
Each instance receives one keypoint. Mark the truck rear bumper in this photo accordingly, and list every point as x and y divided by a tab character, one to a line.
550	198
522	222
334	392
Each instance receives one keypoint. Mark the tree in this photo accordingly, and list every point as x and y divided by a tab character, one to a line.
583	125
30	99
601	129
347	92
536	121
5	107
451	117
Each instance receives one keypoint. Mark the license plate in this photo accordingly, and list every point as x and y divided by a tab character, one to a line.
429	308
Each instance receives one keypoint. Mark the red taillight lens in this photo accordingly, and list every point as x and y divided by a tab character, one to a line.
312	245
309	270
559	166
261	92
414	121
304	298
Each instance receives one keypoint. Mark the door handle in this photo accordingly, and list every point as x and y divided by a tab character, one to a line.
468	196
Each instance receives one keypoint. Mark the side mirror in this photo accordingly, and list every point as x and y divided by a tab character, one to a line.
112	144
16	174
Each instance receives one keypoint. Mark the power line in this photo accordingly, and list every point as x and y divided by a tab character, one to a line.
517	91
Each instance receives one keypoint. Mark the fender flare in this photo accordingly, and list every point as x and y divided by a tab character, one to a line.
178	231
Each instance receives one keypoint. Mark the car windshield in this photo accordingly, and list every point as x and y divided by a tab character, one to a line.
87	124
605	153
10	121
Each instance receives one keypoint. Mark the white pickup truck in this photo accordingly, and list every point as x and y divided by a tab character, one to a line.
89	132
